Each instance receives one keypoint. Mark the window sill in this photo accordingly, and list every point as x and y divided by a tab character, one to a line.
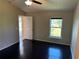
55	37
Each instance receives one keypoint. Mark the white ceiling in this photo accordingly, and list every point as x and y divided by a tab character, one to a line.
46	5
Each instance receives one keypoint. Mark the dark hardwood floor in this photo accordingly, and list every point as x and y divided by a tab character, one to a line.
36	50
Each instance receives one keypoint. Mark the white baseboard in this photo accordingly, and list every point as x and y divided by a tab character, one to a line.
8	46
53	42
72	54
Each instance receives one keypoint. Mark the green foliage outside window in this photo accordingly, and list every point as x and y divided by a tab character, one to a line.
55	27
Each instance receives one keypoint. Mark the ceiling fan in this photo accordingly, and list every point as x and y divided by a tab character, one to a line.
29	2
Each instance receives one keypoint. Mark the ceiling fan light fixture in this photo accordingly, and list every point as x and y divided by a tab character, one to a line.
28	2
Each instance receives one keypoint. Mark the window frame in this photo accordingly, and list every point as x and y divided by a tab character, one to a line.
55	27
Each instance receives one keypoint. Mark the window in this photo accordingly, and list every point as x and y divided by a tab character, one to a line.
55	27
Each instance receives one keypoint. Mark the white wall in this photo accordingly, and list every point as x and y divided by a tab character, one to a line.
8	23
75	34
42	27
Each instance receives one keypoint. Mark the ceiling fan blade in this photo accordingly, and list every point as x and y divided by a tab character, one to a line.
36	2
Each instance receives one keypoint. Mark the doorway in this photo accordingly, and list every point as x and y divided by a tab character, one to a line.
25	32
25	27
